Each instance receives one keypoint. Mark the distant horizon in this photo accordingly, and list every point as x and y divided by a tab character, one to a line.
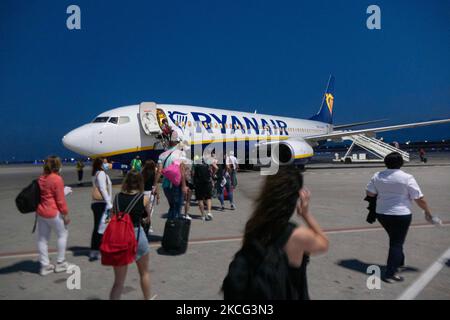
71	155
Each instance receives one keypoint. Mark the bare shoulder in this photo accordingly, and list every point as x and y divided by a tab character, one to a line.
301	234
294	247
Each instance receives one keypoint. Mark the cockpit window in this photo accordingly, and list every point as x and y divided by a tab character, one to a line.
113	120
101	119
123	120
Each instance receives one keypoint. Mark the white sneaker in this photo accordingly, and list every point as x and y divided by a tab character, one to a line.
209	217
63	266
47	270
188	217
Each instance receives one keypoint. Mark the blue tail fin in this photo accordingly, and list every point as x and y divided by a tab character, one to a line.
325	113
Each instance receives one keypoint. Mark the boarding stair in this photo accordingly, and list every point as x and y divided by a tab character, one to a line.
376	147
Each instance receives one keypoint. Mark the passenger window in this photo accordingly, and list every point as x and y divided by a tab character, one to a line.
123	120
113	120
100	119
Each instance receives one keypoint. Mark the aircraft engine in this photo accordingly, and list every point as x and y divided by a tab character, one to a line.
290	151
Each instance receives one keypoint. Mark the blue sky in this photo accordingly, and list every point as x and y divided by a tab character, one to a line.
273	56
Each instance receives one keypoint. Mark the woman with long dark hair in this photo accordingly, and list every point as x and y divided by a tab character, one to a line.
101	201
283	195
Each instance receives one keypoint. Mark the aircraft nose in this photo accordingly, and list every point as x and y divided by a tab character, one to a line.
79	141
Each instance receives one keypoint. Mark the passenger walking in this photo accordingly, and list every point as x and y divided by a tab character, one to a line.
203	189
275	252
52	214
136	164
80	167
101	202
148	174
132	190
422	155
395	191
174	193
233	163
190	189
223	183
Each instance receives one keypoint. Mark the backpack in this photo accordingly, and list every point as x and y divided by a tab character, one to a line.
29	198
261	273
119	243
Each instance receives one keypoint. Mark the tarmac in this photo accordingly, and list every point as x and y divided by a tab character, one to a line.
337	203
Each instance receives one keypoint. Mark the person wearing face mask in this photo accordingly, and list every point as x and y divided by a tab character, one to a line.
101	201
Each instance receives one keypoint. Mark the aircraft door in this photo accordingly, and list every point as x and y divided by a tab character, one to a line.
148	118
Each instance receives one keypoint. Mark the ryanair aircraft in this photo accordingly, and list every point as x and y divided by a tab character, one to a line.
122	133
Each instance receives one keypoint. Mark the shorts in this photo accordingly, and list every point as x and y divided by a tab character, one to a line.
143	247
203	192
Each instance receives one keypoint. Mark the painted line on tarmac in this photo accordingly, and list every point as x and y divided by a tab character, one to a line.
30	254
425	278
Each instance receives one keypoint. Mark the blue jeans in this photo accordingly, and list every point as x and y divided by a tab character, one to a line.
220	194
175	198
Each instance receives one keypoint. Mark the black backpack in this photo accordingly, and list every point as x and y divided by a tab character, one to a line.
261	273
29	198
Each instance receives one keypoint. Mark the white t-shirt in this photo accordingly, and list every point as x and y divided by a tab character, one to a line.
102	181
395	191
232	160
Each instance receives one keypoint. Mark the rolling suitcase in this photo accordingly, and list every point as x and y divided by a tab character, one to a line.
176	236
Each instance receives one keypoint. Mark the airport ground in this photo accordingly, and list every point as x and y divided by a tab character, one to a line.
337	202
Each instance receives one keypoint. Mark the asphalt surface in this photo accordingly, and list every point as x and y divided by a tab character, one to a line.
337	203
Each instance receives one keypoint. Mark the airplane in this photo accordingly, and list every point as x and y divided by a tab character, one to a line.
122	133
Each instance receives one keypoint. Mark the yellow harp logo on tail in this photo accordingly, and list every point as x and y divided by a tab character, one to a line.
329	100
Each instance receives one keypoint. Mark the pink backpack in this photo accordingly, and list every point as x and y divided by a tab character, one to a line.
172	172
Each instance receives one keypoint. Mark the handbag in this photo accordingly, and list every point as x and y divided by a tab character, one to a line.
172	172
96	194
372	215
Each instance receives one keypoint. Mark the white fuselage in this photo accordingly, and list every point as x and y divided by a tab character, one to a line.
118	131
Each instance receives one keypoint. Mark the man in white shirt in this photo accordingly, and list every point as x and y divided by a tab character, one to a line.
233	163
395	191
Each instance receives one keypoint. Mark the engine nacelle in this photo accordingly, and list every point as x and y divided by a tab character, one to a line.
290	151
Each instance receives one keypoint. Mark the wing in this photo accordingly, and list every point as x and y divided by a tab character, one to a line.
343	133
357	124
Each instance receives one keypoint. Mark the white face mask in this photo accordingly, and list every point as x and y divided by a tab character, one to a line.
105	166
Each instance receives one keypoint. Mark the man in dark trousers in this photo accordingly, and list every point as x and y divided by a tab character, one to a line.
80	167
